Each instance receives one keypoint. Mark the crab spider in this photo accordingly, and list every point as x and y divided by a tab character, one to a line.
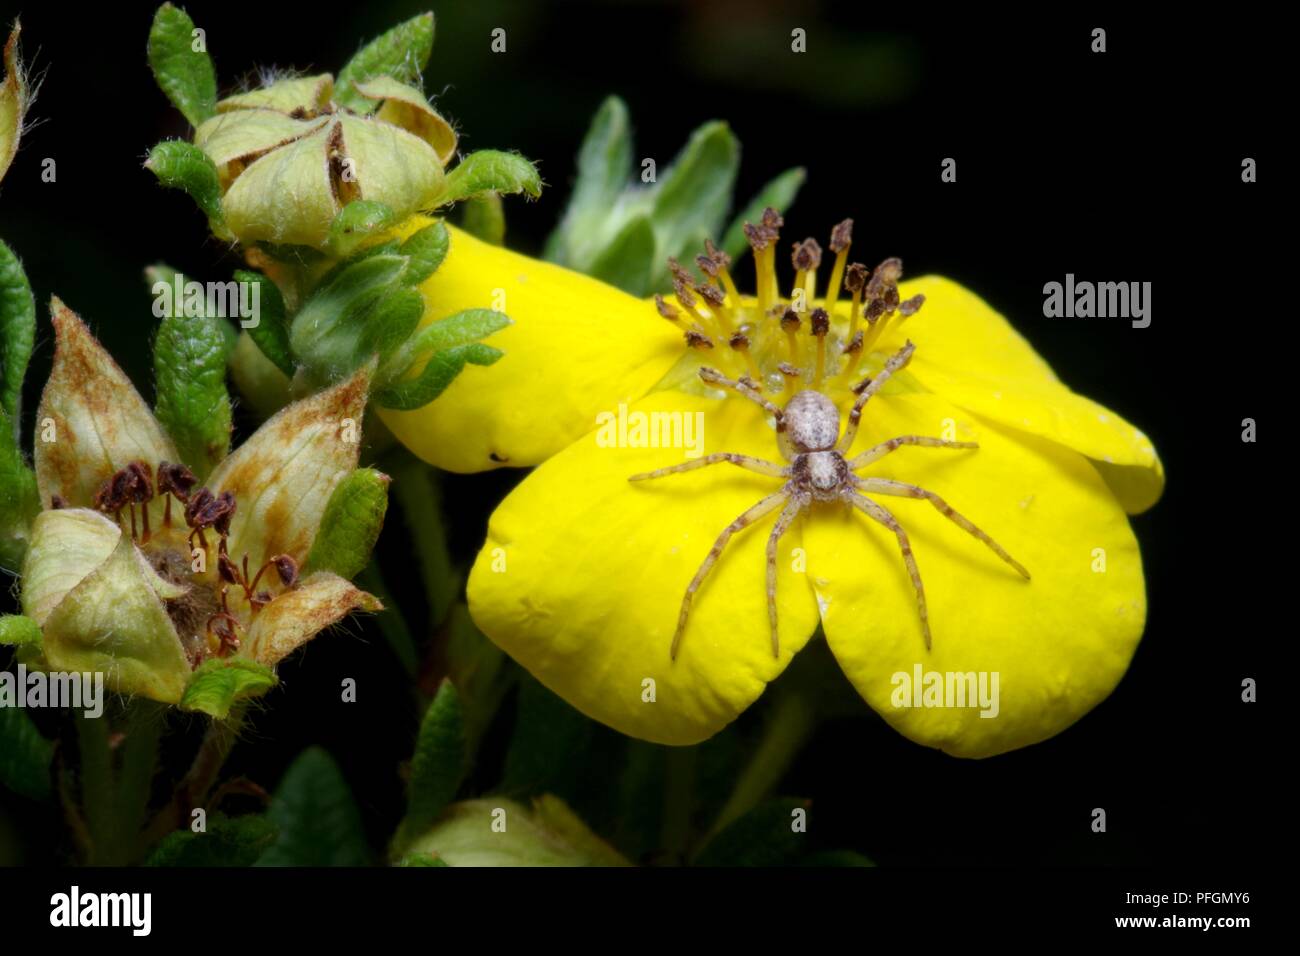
808	430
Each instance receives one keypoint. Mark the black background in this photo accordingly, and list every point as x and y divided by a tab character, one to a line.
1123	166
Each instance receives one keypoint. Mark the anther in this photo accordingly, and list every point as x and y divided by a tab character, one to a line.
820	322
740	342
841	239
697	339
910	307
790	325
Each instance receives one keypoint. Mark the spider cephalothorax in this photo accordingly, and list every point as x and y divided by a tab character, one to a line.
808	423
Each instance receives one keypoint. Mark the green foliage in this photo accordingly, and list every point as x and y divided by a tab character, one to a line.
401	53
183	166
17	332
25	756
316	817
492	171
227	842
351	524
192	402
438	765
184	73
271	333
219	683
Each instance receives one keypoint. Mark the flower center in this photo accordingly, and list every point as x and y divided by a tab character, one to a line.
218	601
781	344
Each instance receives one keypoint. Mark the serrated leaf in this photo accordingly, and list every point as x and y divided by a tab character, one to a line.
17	331
192	401
491	171
218	683
779	193
426	248
401	53
441	371
271	333
438	764
316	815
350	527
604	161
692	197
629	260
181	165
17	630
762	837
229	841
485	218
357	220
186	75
25	755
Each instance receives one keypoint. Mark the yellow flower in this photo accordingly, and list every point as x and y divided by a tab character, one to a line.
583	572
137	571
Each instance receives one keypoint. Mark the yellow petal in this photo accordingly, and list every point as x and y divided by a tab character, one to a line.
1058	643
972	356
285	196
283	476
96	421
406	107
114	622
576	347
300	92
66	545
233	140
392	166
583	574
298	615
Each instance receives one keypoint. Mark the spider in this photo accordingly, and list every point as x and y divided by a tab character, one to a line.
808	427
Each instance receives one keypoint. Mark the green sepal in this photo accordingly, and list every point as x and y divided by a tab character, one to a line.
604	162
271	333
629	260
17	331
693	196
441	371
228	841
484	217
351	524
390	324
217	684
181	165
779	193
492	171
426	248
438	765
356	222
192	401
19	631
183	73
401	53
461	328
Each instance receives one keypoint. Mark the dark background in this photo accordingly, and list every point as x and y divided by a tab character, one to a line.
1120	166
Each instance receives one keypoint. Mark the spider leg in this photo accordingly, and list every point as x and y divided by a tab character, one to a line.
744	461
869	387
742	387
877	452
792	509
874	510
886	486
764	507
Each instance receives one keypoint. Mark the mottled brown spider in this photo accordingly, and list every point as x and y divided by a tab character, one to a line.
808	432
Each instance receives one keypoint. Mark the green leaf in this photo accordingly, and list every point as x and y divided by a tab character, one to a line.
693	196
25	756
548	749
184	74
604	162
17	332
764	836
420	859
426	248
218	683
390	324
18	630
401	53
181	165
19	499
441	371
327	330
189	358
778	193
357	221
485	218
628	261
229	841
351	524
438	764
492	171
271	333
477	667
317	817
